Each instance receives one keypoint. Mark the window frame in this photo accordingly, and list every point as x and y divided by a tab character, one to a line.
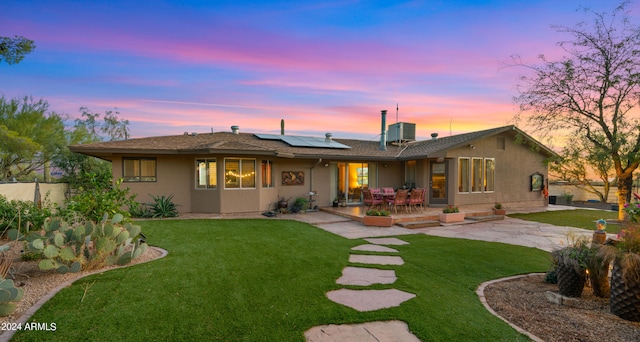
480	183
139	178
461	189
266	174
239	176
207	162
486	175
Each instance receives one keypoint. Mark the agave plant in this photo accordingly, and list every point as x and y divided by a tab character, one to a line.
163	206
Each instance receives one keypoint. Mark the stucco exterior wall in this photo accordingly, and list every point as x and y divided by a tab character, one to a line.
174	176
513	167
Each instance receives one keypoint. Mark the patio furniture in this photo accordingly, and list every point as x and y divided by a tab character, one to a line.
416	198
371	200
400	199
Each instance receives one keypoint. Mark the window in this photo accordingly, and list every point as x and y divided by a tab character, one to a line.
476	175
206	174
139	169
463	175
267	174
489	174
239	173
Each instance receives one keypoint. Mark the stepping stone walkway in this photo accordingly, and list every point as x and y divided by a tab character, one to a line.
368	300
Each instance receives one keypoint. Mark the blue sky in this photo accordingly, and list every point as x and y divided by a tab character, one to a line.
331	66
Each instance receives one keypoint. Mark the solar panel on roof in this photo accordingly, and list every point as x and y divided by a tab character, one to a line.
300	141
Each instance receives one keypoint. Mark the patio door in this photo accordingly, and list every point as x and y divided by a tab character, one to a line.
352	178
438	183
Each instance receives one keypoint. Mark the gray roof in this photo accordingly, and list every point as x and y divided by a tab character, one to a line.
251	144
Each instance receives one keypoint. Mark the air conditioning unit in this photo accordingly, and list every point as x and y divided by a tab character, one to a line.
401	131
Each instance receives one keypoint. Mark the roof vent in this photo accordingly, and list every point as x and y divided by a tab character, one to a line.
434	136
328	137
235	129
193	134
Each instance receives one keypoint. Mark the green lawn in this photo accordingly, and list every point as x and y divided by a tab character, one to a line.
579	218
265	280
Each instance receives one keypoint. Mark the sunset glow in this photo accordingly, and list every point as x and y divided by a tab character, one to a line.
196	66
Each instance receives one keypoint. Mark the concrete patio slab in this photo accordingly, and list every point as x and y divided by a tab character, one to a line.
513	231
387	241
355	230
366	276
387	331
376	259
369	300
374	248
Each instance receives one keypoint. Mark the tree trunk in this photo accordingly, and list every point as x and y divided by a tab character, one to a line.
624	192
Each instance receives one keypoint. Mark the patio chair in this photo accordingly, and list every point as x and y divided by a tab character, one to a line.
370	200
400	199
388	193
416	198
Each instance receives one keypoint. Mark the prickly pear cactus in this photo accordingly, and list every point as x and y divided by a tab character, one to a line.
9	294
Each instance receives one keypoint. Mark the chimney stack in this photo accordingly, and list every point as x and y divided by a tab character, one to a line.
235	129
281	126
383	136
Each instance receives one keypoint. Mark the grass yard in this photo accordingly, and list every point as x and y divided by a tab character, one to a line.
579	218
265	280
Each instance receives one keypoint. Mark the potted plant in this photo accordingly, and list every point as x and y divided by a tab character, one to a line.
451	213
498	210
571	267
378	217
565	198
300	205
624	299
283	203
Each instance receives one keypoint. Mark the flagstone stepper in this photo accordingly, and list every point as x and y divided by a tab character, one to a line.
369	300
386	241
376	259
374	248
360	276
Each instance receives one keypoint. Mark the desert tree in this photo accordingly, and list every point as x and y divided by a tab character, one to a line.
13	50
593	91
579	162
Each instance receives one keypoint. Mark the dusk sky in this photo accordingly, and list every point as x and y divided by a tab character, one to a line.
329	66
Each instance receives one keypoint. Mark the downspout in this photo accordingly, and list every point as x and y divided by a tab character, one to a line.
311	178
311	174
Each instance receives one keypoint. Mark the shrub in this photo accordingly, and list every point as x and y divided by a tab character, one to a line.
91	203
22	215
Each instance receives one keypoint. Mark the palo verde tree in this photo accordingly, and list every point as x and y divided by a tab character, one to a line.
13	50
30	135
591	92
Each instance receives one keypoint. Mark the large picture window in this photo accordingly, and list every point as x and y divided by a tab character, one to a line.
463	175
267	174
476	174
206	174
240	173
139	169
